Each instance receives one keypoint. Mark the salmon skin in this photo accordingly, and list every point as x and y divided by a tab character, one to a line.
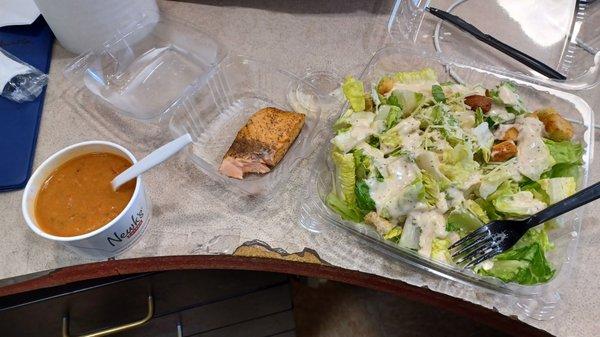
262	142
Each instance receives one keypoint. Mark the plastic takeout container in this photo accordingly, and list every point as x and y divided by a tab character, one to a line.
536	301
213	109
563	34
146	66
162	71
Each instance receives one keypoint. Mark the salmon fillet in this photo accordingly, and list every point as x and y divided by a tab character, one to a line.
262	142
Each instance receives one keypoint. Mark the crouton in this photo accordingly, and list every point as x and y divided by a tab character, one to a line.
510	134
385	85
504	151
478	101
381	225
557	128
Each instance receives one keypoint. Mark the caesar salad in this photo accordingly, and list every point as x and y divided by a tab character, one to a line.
425	163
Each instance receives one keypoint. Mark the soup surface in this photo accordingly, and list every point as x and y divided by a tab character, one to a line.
77	197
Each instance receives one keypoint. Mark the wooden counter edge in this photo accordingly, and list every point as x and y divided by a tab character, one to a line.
95	270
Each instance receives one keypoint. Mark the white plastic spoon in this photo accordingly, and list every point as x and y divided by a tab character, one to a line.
156	157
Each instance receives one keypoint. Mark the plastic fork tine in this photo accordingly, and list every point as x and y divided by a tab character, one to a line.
475	234
493	252
472	247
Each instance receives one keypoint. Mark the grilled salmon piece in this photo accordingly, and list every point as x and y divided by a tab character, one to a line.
262	142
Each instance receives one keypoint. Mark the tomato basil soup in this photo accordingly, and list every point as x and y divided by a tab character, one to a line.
77	197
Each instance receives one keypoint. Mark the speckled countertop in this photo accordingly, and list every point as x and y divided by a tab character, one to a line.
191	213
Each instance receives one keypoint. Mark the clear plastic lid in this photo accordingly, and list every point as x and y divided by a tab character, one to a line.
147	65
563	34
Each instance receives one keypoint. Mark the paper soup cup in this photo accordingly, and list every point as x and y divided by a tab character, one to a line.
112	238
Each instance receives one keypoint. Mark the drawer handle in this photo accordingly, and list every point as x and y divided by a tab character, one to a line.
110	331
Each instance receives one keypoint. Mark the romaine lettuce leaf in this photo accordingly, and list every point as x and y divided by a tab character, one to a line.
355	93
393	117
525	263
439	250
363	199
563	170
462	221
431	189
362	164
489	209
345	176
493	179
346	211
438	93
565	152
558	189
521	203
409	77
394	234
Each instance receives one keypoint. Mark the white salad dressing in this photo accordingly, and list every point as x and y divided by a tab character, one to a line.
360	129
500	114
423	87
507	96
432	224
391	194
533	156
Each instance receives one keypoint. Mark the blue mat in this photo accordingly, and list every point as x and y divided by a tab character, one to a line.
19	122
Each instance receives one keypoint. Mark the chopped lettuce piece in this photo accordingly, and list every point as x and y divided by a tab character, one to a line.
508	187
489	209
429	162
565	152
462	221
563	170
521	203
394	234
363	199
525	263
390	140
438	93
558	189
362	164
409	100
431	189
493	179
476	209
393	117
439	250
423	75
342	124
355	93
536	189
410	234
360	129
479	117
458	166
345	176
346	211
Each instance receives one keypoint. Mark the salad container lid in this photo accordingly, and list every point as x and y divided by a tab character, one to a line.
146	66
561	34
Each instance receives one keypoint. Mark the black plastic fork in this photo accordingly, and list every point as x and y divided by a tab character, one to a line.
499	235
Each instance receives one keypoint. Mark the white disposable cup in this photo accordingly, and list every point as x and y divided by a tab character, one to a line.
109	240
81	25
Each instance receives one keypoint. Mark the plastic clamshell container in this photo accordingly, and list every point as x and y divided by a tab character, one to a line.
536	301
146	66
219	104
563	34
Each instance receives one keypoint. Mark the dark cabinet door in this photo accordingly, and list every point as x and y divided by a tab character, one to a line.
204	301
